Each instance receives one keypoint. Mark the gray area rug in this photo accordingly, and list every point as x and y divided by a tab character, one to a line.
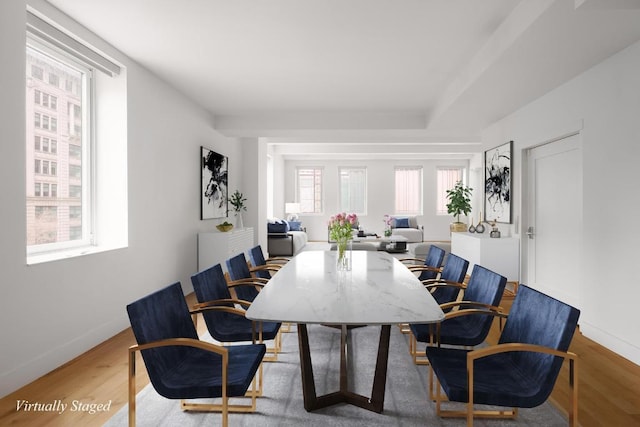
406	400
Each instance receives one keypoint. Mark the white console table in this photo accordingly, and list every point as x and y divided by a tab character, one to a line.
216	247
501	255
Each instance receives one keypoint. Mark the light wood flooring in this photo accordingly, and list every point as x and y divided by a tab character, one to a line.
609	386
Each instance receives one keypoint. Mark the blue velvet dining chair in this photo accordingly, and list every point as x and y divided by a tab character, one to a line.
432	265
179	364
429	269
262	267
521	370
240	275
448	286
246	287
224	315
470	323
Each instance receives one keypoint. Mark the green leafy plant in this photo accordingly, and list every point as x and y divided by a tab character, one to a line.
459	200
237	200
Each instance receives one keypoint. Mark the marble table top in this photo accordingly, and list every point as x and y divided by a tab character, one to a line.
378	290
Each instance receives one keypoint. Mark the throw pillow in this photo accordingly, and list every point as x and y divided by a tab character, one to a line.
402	223
295	226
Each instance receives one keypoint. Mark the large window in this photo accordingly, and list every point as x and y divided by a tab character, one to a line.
408	190
446	179
309	189
46	107
353	190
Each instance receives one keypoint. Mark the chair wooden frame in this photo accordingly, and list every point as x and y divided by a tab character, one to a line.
474	355
258	283
224	408
221	305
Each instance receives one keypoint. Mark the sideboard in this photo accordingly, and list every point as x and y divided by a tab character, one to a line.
501	255
215	247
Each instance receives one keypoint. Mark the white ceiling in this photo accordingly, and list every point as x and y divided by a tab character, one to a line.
363	75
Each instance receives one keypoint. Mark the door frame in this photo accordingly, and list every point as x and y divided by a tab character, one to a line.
521	222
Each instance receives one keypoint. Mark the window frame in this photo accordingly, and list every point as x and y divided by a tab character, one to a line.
420	191
87	145
350	208
318	198
441	191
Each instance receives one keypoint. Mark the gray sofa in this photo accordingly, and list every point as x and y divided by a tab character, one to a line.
286	244
407	226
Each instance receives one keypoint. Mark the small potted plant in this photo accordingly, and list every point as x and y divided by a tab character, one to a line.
237	200
459	203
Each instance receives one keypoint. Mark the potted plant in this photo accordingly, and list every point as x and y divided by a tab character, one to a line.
459	203
237	200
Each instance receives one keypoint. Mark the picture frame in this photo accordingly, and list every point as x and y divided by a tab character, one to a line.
214	186
497	183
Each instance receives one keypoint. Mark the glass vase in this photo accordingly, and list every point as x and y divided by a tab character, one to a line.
343	259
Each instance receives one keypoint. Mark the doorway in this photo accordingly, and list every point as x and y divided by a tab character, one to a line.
553	223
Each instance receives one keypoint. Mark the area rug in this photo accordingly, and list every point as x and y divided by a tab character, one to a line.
406	399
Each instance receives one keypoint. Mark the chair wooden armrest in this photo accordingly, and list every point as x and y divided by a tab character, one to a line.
424	268
473	304
436	283
272	268
278	260
514	346
220	303
411	260
188	342
248	280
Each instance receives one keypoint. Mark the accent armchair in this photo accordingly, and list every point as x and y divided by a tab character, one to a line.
521	370
180	366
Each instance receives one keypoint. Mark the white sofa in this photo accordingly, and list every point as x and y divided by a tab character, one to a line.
407	226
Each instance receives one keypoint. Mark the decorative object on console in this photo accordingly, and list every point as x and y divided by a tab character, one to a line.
237	201
214	184
459	203
497	182
224	227
387	225
292	210
495	233
480	226
341	228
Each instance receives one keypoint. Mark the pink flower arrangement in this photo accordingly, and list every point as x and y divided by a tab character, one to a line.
341	226
387	225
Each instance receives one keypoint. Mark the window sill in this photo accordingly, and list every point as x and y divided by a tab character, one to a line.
68	253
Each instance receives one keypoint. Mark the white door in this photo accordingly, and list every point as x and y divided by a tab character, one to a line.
554	218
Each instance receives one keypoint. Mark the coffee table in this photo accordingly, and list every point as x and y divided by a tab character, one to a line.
378	290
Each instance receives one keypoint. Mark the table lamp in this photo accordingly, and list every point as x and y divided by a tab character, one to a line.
292	210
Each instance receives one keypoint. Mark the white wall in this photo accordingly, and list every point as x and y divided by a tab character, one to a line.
380	194
604	104
52	312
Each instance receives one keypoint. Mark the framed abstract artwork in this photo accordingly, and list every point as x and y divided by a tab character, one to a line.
214	184
497	183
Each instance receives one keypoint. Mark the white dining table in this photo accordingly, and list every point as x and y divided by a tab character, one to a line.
378	290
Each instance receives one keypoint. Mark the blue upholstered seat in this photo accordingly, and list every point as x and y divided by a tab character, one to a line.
180	366
467	326
211	291
522	369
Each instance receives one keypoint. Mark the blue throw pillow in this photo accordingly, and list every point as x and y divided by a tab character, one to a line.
295	226
402	223
279	226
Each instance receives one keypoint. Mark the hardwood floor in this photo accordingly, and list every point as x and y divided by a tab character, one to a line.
609	386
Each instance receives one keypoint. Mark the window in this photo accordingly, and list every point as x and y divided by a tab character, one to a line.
46	230
446	179
353	190
408	190
309	188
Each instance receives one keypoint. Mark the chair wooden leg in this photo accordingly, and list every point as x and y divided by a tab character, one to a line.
132	388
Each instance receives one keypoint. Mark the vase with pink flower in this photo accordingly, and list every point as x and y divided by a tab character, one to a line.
341	228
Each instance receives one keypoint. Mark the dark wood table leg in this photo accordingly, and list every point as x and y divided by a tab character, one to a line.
374	403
